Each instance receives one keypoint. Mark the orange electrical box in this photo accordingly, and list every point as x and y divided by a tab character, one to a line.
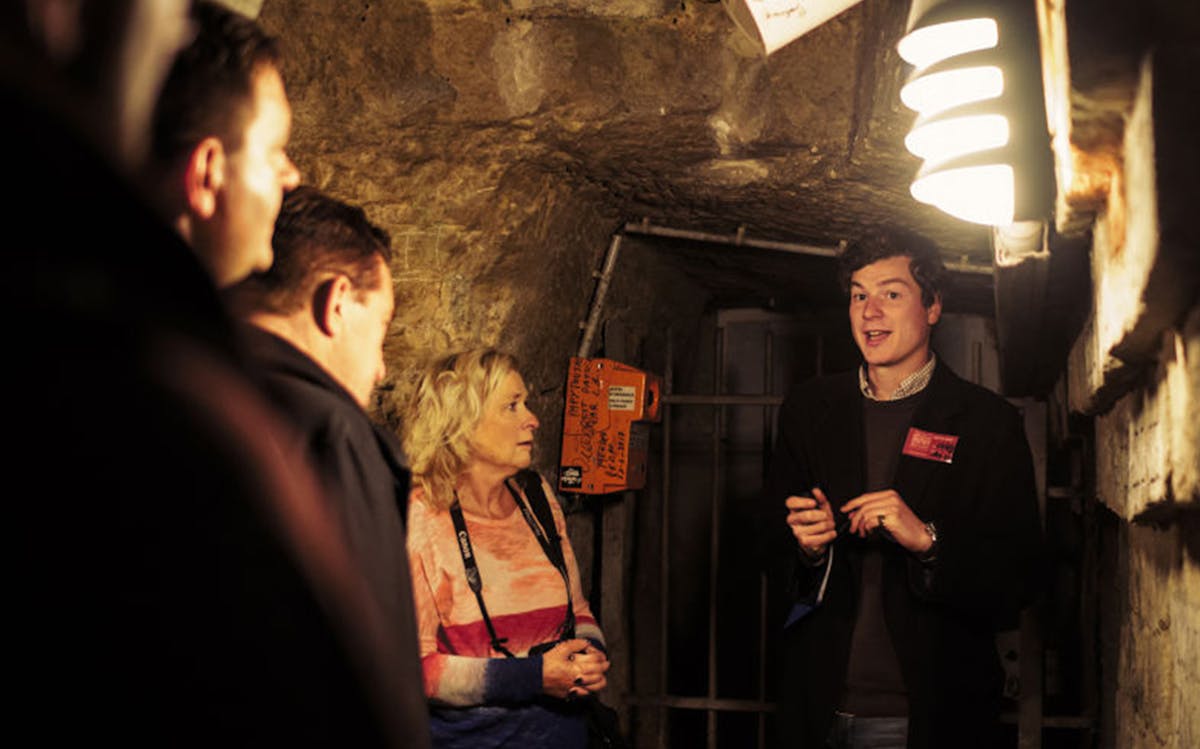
606	426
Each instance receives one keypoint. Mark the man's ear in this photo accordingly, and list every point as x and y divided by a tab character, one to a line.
329	304
934	312
204	177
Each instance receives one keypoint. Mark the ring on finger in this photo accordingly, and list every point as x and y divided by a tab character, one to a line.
881	518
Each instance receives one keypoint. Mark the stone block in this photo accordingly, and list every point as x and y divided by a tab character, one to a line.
1148	444
1157	662
1146	279
1095	378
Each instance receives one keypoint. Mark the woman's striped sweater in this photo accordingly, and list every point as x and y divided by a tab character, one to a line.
479	697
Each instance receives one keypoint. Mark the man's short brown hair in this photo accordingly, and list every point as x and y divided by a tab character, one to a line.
316	237
211	84
925	261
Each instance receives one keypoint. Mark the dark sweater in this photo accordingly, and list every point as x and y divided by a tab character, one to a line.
874	684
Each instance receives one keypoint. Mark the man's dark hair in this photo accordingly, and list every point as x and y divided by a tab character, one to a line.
316	236
925	261
209	90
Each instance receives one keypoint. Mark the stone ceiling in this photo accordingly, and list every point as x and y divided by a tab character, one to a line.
658	110
503	142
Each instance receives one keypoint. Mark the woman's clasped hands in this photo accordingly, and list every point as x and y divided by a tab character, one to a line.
573	668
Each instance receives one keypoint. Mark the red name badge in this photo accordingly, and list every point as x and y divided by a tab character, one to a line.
930	445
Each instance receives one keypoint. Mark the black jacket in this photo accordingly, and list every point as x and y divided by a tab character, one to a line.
942	616
175	582
360	466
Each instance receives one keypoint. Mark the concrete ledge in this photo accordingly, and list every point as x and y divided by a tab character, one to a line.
1145	263
1159	261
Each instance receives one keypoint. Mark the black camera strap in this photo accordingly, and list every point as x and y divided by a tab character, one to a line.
472	569
541	521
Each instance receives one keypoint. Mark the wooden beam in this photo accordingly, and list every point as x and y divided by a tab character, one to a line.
1041	306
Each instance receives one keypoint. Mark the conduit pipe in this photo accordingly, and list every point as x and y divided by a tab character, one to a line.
645	228
738	240
605	279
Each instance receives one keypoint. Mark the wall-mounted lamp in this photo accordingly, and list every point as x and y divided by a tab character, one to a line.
981	123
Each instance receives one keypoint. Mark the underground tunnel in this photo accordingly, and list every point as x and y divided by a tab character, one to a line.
505	144
654	184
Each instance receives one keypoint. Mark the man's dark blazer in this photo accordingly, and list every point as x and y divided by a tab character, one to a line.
942	616
364	476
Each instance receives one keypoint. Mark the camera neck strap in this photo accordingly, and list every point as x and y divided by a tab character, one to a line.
541	521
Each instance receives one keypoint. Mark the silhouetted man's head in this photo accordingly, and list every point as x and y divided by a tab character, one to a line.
220	137
101	63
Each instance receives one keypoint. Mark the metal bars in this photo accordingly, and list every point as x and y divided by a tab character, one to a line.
718	455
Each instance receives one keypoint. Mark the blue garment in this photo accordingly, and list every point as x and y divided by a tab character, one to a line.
528	726
852	732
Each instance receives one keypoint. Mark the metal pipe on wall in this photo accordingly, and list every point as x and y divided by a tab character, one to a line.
768	421
664	545
645	228
593	320
714	559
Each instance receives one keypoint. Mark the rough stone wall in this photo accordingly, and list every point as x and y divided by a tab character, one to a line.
501	142
434	118
1150	602
488	251
1150	659
1136	369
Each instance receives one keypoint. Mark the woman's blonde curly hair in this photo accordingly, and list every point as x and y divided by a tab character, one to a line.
443	414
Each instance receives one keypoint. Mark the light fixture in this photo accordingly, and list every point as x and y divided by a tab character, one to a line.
981	125
924	46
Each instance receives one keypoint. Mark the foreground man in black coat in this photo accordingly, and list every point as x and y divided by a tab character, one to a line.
176	581
316	324
915	535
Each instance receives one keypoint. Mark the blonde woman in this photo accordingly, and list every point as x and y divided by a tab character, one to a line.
509	647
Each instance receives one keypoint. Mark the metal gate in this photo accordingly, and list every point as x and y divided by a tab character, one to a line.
726	434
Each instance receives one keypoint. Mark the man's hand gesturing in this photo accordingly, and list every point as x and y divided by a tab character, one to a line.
811	521
887	511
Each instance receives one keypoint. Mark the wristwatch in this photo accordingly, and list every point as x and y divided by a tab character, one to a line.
930	554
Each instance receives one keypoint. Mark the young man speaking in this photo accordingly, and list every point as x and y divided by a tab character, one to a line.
914	530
